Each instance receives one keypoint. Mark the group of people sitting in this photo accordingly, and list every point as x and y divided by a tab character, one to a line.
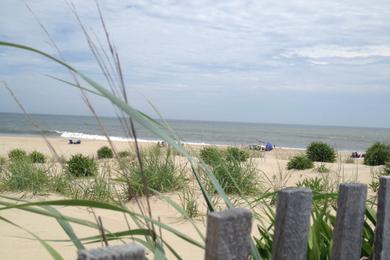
357	155
70	141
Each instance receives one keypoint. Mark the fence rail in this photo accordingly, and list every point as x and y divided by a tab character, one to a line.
229	231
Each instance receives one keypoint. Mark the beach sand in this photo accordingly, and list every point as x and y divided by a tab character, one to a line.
17	244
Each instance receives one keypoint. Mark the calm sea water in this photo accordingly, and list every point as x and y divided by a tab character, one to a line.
295	136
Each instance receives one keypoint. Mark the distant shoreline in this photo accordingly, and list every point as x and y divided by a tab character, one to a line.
124	141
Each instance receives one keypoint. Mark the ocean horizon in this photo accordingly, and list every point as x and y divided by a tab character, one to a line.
342	138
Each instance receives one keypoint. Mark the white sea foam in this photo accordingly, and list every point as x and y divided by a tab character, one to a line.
84	136
75	135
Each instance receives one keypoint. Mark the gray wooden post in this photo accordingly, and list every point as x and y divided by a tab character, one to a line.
228	234
122	252
292	224
382	230
347	234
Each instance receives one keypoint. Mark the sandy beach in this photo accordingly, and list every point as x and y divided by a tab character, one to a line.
17	244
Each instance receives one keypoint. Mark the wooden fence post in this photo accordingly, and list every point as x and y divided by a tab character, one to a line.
228	234
347	233
122	252
292	224
382	230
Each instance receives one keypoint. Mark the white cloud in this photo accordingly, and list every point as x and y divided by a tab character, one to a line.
334	51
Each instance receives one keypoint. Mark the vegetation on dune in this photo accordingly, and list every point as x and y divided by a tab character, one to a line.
236	154
232	168
320	152
160	173
105	152
81	166
377	154
37	157
322	169
300	162
124	154
386	169
17	154
23	175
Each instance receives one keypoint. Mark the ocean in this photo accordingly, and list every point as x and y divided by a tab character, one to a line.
202	132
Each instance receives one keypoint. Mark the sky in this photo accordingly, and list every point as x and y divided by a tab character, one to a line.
293	62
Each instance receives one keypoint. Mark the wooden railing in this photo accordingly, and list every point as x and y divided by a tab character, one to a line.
229	231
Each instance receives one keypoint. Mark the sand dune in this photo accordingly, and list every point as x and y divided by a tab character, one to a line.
271	170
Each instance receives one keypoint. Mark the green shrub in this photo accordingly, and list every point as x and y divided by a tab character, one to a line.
23	175
386	170
81	166
315	184
377	154
123	154
234	175
300	162
37	157
104	153
322	169
97	189
236	154
159	170
3	161
61	183
320	152
17	154
211	155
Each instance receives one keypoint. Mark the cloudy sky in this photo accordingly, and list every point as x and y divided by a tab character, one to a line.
299	62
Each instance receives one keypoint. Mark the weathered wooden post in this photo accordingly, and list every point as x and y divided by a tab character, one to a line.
382	230
122	252
347	234
228	234
292	224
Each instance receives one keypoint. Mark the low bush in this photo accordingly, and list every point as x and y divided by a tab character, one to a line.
320	152
159	171
236	154
17	154
316	184
97	189
377	154
104	153
300	162
37	157
386	169
234	172
3	161
211	155
81	166
322	169
23	175
123	154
